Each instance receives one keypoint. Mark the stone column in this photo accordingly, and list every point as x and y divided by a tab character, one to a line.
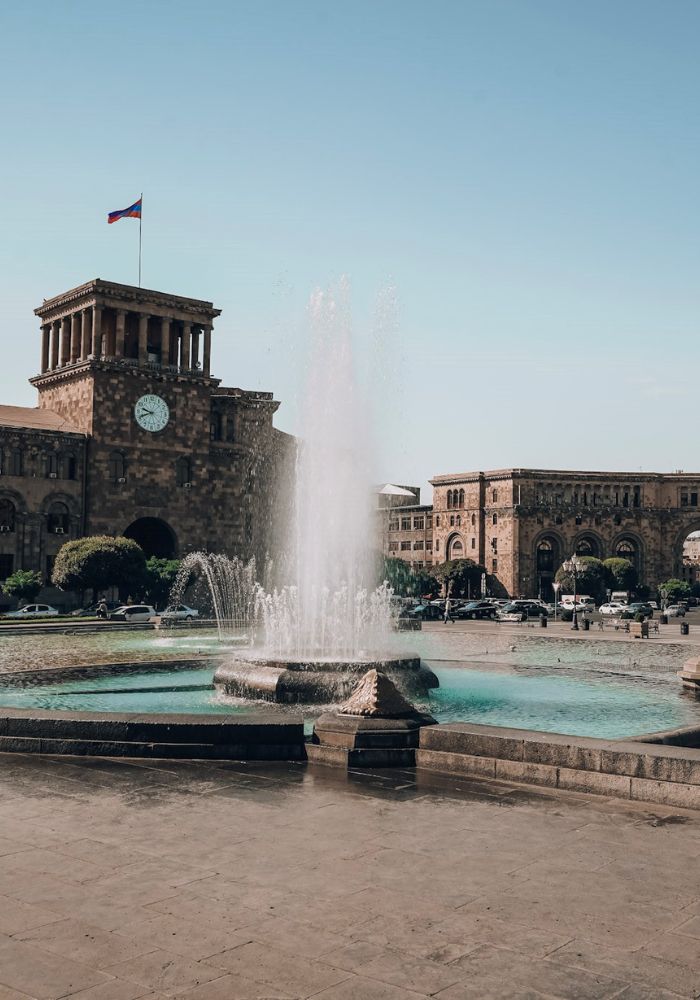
165	341
85	342
143	338
76	332
55	335
195	347
97	331
45	334
206	363
65	341
119	340
186	342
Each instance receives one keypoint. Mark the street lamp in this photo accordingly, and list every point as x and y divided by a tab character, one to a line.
556	587
573	567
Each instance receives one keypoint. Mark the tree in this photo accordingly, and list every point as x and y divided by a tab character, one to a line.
676	590
591	580
621	574
403	580
424	584
99	562
159	580
24	585
460	577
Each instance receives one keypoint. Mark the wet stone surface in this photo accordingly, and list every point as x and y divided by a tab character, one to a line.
122	880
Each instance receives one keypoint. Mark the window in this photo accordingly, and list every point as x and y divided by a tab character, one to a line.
393	546
17	462
58	519
494	519
437	520
461	498
458	520
405	523
417	546
473	543
494	496
473	518
418	523
116	467
183	472
405	546
7	564
7	515
437	544
51	465
418	565
429	545
578	519
637	497
494	544
545	557
429	521
215	427
452	520
69	466
684	498
494	565
230	428
625	499
449	499
693	499
394	525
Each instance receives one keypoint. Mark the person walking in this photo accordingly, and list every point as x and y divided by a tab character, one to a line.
448	612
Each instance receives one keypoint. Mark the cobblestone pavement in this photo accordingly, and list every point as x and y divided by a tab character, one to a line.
121	880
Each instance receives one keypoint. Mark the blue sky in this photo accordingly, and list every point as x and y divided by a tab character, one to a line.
519	177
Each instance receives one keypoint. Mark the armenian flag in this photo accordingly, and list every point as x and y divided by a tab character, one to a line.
132	212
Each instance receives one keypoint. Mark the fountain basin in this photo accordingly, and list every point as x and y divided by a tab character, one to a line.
323	680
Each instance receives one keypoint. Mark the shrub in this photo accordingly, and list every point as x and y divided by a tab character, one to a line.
99	562
24	585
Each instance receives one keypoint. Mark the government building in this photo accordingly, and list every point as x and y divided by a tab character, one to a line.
132	435
521	524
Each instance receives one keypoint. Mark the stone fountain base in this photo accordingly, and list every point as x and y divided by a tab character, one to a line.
316	681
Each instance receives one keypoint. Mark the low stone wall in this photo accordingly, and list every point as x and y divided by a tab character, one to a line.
649	772
216	737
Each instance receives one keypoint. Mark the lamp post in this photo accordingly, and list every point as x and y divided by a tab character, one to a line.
556	587
573	567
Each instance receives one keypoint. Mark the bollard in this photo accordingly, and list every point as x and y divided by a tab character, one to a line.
543	621
685	628
586	624
663	619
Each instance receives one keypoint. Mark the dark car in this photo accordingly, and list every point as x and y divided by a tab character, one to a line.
424	612
638	608
476	609
90	610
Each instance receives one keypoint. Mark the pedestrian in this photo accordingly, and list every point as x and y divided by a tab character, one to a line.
102	609
448	612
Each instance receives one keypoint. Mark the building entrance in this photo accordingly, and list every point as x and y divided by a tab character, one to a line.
155	537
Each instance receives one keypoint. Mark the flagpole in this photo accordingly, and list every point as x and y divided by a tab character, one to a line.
140	220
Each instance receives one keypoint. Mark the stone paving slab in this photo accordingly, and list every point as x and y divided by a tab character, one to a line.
128	880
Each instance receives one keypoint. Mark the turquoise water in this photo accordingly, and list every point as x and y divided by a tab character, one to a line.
549	698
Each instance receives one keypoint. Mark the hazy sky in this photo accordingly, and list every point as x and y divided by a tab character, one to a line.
511	186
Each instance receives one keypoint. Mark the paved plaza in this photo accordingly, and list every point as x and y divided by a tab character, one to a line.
215	881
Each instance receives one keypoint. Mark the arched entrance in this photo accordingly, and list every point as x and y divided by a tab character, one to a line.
455	547
687	561
155	537
547	562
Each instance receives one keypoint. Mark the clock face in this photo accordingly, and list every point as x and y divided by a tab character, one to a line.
152	413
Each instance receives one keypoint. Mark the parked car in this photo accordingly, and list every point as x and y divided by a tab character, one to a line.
90	610
675	611
533	606
424	612
133	613
179	612
520	611
637	608
612	608
476	609
34	611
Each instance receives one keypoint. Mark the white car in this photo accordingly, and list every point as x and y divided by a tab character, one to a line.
34	611
133	613
675	611
180	612
612	608
580	606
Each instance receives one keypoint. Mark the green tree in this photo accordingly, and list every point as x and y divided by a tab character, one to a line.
424	584
99	562
460	577
591	580
621	574
676	590
24	585
159	579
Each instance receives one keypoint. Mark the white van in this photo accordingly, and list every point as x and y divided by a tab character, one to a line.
619	597
584	602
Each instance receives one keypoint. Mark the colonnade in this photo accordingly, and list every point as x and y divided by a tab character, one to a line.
80	336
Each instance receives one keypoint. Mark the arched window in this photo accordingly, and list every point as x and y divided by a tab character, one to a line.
59	519
545	557
7	515
215	427
494	496
473	518
449	499
117	467
494	519
17	462
461	498
626	549
584	547
456	549
51	465
458	520
183	474
452	520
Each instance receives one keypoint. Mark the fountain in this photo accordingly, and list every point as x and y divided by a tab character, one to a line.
320	633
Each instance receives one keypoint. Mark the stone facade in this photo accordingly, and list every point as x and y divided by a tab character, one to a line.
522	523
206	480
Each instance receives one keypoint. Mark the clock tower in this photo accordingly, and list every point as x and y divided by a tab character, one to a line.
173	459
